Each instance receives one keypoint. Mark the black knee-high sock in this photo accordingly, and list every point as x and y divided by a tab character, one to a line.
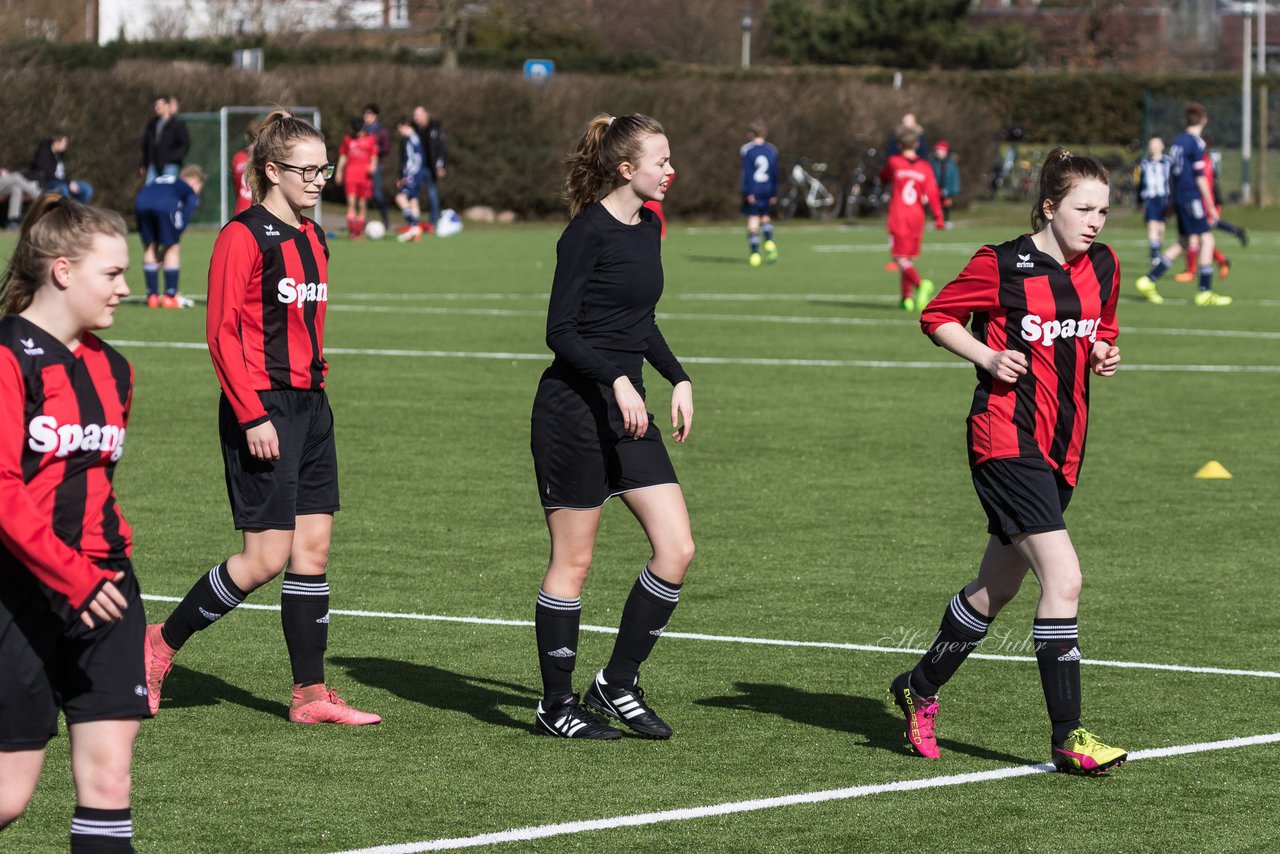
556	624
304	614
95	831
1058	655
963	628
210	598
648	608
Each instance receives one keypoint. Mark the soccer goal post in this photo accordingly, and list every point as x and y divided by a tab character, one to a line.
215	137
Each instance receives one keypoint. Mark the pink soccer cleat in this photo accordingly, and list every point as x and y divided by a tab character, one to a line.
157	657
921	714
316	704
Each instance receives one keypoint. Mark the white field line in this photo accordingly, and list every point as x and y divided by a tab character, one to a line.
704	360
772	318
856	647
544	831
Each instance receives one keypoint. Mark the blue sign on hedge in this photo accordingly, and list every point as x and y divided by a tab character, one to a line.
539	70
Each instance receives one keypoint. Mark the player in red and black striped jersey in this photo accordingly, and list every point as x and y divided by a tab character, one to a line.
268	289
1043	312
71	616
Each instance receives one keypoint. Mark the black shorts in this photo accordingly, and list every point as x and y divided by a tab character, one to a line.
1021	496
581	456
272	494
46	665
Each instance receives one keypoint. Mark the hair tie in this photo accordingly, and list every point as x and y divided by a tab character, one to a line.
1064	155
610	124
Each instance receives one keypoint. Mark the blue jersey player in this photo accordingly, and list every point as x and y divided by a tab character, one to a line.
759	192
412	173
164	209
1193	200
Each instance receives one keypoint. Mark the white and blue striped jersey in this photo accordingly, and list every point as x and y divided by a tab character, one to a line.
414	159
1154	182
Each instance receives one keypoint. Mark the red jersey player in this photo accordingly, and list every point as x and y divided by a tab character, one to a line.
268	291
71	617
240	173
913	182
357	161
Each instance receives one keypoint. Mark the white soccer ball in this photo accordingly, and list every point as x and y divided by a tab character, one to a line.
375	230
450	223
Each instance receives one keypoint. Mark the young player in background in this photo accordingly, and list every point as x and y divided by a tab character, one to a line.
1211	168
591	436
409	185
240	171
1043	308
911	181
163	210
357	163
947	176
268	290
1197	214
759	192
1153	189
71	616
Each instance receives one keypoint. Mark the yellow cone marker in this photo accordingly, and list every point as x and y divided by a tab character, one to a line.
1213	470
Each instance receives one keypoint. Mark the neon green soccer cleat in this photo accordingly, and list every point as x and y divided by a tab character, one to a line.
924	293
754	259
1082	753
908	304
1212	298
770	252
1147	288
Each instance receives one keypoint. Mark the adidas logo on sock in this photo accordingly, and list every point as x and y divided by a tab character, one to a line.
562	652
1073	655
324	619
208	615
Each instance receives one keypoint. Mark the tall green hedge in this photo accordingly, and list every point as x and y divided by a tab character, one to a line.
508	138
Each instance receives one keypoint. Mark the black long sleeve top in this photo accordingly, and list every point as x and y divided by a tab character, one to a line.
600	321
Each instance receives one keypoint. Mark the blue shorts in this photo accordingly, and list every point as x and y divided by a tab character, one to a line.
161	227
1157	209
759	208
412	187
1191	218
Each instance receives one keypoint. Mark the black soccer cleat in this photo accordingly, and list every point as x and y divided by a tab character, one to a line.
568	719
1243	236
626	705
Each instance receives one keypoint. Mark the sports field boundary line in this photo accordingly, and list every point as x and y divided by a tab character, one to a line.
545	831
855	647
957	364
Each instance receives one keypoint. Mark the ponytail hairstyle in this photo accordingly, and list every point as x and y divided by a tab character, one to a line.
1061	171
273	141
606	144
55	227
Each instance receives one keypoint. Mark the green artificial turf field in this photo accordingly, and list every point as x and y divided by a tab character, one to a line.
827	482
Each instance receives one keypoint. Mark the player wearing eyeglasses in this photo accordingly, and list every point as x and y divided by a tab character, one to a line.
268	290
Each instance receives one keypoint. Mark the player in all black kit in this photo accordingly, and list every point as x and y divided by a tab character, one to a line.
268	288
1044	316
71	617
591	436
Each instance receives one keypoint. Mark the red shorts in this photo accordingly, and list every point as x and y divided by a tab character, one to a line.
904	244
359	186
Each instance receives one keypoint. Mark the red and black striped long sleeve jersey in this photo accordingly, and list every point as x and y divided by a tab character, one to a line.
63	416
268	290
1021	299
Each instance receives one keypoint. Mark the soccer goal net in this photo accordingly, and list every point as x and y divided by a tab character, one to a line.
215	138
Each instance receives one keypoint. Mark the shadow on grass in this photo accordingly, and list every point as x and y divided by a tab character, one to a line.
443	689
185	688
866	716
